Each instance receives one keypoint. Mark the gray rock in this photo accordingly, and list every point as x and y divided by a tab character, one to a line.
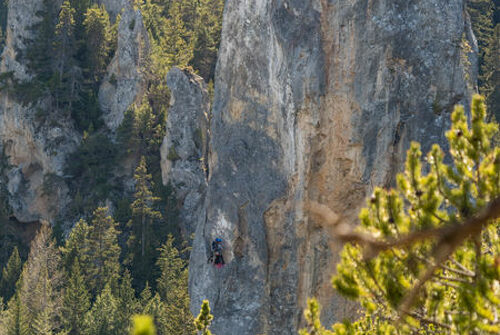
184	148
124	82
114	7
36	151
314	100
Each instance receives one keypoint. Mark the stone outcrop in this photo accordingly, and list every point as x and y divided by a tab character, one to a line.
114	7
184	148
314	100
36	146
34	150
124	82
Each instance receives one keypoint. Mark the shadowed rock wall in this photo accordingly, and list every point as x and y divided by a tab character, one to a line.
185	146
314	100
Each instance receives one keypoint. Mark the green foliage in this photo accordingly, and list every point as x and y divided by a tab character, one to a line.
10	275
64	48
312	314
103	251
143	325
461	296
492	88
487	32
76	301
12	320
208	27
128	304
172	154
172	287
39	285
91	169
3	22
98	39
142	130
204	319
76	245
38	54
141	243
103	318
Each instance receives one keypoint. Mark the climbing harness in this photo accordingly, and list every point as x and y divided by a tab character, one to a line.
216	256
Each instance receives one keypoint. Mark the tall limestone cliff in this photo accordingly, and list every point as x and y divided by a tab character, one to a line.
314	100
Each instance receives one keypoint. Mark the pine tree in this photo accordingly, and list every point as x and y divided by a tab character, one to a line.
40	283
64	48
156	309
103	318
207	35
173	289
204	319
38	51
10	275
104	252
492	61
127	303
12	320
76	301
172	268
140	241
173	46
42	325
98	39
481	12
145	297
412	258
483	24
311	315
76	245
143	131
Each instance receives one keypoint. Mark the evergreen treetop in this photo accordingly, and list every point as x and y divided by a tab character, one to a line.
10	275
204	319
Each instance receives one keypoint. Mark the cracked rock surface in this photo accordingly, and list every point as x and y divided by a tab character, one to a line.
314	100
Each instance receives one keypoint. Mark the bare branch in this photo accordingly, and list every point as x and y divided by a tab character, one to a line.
452	233
449	237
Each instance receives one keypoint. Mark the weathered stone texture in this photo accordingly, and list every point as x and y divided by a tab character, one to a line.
35	150
37	147
185	146
124	83
314	100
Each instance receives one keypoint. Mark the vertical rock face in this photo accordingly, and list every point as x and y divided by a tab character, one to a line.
124	81
184	148
314	100
34	150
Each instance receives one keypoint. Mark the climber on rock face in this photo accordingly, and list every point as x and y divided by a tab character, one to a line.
216	253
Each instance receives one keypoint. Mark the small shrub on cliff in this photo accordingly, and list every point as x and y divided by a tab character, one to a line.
204	319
